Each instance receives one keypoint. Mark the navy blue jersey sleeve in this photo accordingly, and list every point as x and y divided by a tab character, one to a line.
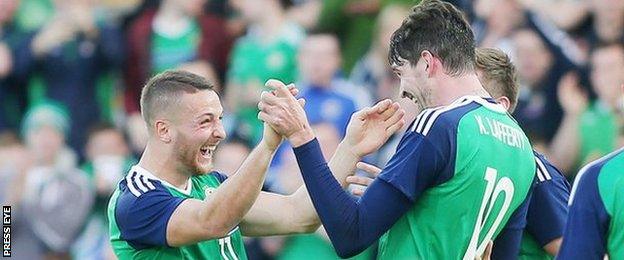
507	243
352	224
143	211
221	177
586	230
548	209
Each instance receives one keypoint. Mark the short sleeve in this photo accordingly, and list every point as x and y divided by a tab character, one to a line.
548	209
143	219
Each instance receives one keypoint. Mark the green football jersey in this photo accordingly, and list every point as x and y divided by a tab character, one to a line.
484	171
531	250
139	211
596	219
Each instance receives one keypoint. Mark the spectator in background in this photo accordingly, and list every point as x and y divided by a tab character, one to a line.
577	141
174	33
541	64
66	57
373	72
15	161
330	98
268	50
495	22
606	22
353	21
108	159
12	45
57	195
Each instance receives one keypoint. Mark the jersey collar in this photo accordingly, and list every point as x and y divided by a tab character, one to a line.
149	175
488	103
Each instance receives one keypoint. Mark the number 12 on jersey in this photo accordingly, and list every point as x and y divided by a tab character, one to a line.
493	190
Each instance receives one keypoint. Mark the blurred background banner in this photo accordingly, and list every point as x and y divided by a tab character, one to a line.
71	73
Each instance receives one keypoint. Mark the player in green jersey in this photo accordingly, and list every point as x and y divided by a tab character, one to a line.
595	226
171	205
548	206
462	171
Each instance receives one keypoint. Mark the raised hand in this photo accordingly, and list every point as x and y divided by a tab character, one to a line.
271	138
571	96
371	127
285	114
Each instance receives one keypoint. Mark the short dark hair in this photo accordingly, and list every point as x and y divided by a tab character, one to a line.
441	29
164	90
499	75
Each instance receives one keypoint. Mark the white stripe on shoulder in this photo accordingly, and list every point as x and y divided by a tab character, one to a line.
422	117
136	178
148	182
130	184
543	168
580	174
434	116
540	175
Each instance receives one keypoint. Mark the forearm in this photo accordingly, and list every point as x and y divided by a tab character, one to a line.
352	225
341	165
233	199
564	148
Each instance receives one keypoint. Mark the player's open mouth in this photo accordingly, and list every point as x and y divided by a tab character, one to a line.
207	151
409	96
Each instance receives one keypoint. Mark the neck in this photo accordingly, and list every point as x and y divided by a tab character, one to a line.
271	24
169	11
165	169
452	88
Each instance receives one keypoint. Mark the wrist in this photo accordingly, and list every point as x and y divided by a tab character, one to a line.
301	137
349	150
269	147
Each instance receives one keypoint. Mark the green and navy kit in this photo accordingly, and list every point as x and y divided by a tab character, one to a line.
548	210
139	211
596	220
460	177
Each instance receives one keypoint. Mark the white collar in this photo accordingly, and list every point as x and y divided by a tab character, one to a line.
496	107
146	173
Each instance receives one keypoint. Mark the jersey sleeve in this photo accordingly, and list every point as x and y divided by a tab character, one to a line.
548	209
586	230
143	219
425	156
507	243
220	176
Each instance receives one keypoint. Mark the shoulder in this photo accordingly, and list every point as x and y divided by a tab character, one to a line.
545	170
587	177
214	175
442	118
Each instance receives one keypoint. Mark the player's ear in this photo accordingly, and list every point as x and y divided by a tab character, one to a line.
163	130
504	101
429	59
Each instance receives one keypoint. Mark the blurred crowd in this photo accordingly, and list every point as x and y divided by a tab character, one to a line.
71	72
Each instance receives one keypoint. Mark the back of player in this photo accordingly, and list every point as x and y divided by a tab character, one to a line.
484	180
596	219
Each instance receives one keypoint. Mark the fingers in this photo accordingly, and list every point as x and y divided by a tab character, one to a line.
396	117
382	105
264	116
302	102
359	180
268	98
280	89
390	110
368	168
357	192
395	127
